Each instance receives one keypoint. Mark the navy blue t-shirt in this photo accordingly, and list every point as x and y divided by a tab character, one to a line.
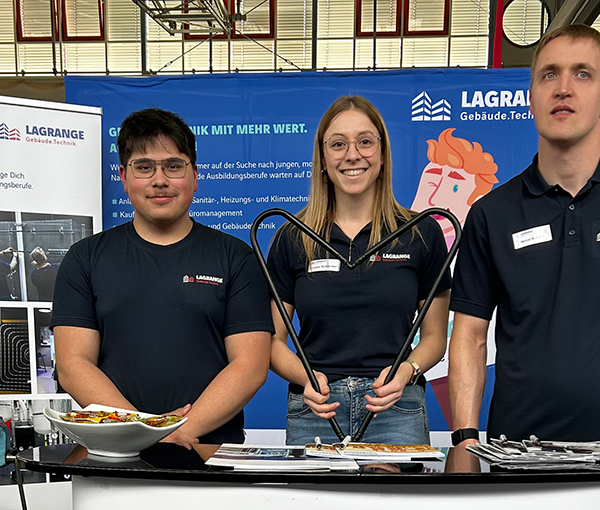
353	322
163	311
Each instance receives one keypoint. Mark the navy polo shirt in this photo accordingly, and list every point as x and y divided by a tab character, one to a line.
533	251
353	322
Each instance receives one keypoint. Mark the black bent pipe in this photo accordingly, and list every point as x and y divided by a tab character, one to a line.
352	265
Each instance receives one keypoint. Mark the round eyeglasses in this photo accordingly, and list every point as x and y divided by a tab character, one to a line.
144	168
337	146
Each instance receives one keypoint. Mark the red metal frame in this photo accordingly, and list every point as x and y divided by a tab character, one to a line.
21	37
359	33
67	37
444	31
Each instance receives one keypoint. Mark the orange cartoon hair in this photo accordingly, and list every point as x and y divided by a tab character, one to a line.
460	153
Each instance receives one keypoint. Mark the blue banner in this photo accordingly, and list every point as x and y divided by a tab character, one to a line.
455	134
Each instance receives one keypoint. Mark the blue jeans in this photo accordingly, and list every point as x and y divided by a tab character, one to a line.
403	423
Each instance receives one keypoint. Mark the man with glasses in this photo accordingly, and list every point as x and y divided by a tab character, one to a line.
163	314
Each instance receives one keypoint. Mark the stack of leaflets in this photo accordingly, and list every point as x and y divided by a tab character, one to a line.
285	459
538	455
369	453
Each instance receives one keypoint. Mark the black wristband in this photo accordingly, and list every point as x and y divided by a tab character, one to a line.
458	436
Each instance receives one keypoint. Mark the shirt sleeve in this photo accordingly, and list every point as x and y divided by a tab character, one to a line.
474	289
435	256
74	303
248	307
280	268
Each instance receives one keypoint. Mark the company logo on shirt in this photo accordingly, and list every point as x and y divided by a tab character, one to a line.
9	134
598	237
390	257
202	278
423	109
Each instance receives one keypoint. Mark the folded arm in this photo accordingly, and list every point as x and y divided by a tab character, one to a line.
77	350
233	387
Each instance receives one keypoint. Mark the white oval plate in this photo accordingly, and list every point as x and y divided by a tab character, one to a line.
126	439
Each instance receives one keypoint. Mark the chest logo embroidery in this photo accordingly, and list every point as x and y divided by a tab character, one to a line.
389	257
201	278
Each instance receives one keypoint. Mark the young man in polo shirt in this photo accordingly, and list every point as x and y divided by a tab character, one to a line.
162	314
531	249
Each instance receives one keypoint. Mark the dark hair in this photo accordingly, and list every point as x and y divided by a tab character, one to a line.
146	126
573	31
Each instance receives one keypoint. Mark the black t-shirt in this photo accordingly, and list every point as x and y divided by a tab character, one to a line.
163	311
353	322
533	251
43	279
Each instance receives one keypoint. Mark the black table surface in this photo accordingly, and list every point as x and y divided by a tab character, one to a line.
165	461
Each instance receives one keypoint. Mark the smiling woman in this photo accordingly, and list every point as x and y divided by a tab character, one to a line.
353	323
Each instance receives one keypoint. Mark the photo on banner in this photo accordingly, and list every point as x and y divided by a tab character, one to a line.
50	198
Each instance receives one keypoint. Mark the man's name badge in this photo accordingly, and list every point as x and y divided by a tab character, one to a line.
318	266
531	236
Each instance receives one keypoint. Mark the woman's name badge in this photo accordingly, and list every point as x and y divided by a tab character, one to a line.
535	235
318	266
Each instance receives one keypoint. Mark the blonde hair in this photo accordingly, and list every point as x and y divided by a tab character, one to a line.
319	214
460	153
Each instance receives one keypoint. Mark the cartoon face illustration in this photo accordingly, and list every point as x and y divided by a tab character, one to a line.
459	172
448	188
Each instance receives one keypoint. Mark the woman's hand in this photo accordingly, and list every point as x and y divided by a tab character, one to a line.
318	401
388	394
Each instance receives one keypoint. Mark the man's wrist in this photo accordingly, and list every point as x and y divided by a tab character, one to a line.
460	435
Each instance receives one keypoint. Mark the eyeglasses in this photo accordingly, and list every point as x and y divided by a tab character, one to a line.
337	146
144	168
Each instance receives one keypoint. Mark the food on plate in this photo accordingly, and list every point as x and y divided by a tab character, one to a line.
119	417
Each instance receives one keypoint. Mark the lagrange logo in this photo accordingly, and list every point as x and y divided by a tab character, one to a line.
213	280
9	134
389	257
423	110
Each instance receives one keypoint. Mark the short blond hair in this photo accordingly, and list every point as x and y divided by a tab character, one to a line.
573	31
38	257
